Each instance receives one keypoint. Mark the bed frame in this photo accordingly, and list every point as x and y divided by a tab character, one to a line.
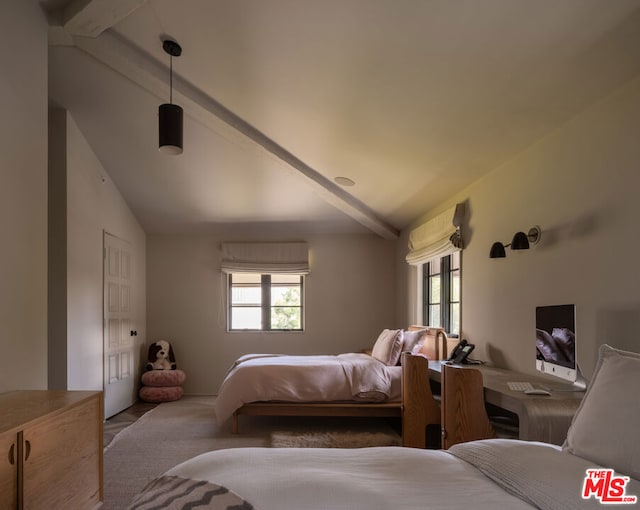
352	409
435	346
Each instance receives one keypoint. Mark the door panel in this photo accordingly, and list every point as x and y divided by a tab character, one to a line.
8	470
119	382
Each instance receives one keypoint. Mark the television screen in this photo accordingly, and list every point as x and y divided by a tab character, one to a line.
556	341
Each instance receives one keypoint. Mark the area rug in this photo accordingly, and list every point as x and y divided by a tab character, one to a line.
116	424
173	432
163	437
333	439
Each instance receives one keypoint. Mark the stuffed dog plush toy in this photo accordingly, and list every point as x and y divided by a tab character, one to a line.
161	356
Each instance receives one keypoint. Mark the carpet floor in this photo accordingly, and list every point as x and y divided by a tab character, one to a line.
173	432
116	424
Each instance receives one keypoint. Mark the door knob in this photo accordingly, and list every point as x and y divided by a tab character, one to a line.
134	333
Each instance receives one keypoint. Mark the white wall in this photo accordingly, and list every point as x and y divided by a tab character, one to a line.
95	206
23	198
92	205
581	186
350	298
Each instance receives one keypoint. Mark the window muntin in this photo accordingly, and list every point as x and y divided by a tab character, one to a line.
434	284
265	302
441	296
454	293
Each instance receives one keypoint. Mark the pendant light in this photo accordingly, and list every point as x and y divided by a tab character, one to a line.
169	114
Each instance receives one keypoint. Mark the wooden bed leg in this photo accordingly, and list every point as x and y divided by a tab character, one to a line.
234	426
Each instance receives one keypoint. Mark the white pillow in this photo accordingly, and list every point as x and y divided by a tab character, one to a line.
410	339
605	427
388	346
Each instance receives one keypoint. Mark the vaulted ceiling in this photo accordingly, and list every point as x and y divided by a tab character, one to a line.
411	99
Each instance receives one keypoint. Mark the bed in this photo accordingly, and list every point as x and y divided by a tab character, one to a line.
598	464
349	384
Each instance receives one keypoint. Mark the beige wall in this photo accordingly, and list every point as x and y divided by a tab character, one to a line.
91	205
95	206
581	186
23	198
350	298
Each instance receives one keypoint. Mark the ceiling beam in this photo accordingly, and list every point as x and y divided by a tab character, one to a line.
89	18
147	72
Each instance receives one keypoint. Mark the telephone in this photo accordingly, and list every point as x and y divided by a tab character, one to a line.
461	352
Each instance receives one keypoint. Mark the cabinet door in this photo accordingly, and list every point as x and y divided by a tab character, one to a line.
8	471
62	460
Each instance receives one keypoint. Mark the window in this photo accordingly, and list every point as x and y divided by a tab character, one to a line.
441	293
265	302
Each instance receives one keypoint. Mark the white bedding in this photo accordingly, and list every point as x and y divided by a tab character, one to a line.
510	475
489	474
323	378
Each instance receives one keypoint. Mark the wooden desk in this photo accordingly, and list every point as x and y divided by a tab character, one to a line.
540	417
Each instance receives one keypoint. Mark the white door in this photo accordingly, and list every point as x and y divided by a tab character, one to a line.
119	331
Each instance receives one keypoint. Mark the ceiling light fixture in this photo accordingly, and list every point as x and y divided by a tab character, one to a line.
344	181
520	241
169	114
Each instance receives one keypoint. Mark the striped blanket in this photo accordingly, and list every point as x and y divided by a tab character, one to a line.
176	493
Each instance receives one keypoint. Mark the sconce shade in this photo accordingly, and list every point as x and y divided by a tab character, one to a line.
520	241
170	128
497	251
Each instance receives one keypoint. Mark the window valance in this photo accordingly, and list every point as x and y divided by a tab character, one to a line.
437	237
280	258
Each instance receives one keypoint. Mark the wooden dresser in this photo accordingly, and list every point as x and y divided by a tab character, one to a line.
51	450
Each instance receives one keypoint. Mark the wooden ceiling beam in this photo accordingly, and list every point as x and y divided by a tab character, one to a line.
89	18
147	72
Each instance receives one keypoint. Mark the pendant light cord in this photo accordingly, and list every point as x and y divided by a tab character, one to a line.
171	79
173	49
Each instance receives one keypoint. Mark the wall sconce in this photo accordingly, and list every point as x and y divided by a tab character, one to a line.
520	241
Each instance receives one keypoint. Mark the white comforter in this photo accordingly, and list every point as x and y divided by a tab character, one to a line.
323	378
491	474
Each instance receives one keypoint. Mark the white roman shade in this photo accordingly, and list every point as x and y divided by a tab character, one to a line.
437	237
292	258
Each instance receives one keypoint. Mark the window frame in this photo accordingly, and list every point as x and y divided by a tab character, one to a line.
266	306
446	297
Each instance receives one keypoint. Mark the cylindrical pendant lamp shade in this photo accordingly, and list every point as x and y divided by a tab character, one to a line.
170	128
